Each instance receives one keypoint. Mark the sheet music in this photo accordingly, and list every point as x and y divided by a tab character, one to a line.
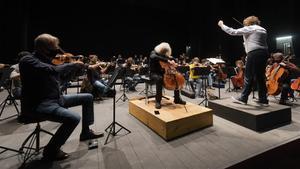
215	60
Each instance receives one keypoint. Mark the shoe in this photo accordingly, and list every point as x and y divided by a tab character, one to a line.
283	102
262	102
90	135
179	101
157	105
110	93
50	155
239	100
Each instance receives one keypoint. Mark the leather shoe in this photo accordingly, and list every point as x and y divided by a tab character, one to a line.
157	105
179	101
59	155
90	135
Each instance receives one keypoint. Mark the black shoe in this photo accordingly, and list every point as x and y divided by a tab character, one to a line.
90	135
110	93
283	102
157	105
179	101
49	155
262	102
239	100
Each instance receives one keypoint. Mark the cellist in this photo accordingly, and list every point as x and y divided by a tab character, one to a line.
285	80
162	52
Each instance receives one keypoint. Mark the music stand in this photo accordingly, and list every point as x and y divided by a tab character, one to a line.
203	72
184	70
112	126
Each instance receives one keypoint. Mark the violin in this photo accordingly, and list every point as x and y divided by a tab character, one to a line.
173	80
66	58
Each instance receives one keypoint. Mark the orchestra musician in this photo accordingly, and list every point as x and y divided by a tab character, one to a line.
94	77
15	75
285	80
162	52
131	73
255	43
238	79
41	97
195	78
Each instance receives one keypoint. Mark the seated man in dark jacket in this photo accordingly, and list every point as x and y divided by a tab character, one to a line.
41	96
162	53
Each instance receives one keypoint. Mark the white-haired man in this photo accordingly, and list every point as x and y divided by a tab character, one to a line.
162	52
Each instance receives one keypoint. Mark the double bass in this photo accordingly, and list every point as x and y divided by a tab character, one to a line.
173	80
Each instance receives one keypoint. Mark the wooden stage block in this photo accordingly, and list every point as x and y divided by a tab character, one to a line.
252	115
173	120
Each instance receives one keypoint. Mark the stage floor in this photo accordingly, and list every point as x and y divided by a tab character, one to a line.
219	146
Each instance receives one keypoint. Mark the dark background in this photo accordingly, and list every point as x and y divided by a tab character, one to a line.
128	27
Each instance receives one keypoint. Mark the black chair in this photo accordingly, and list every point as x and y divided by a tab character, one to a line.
31	145
6	83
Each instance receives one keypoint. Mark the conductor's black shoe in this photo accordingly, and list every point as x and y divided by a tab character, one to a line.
179	101
262	102
49	155
239	100
283	102
90	135
157	105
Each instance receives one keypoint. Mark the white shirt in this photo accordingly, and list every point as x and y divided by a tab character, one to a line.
255	36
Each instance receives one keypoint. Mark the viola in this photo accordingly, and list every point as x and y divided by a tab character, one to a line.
296	84
173	80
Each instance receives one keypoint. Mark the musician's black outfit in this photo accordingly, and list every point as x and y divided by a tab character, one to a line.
156	74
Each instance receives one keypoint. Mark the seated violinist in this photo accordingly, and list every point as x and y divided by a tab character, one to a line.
238	79
131	76
93	75
162	53
285	80
42	99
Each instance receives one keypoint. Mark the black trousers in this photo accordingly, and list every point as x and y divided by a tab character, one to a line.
255	71
158	79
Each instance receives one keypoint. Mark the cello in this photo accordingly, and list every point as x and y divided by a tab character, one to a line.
296	84
274	84
173	80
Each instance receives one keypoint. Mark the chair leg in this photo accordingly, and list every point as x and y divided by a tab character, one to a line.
33	138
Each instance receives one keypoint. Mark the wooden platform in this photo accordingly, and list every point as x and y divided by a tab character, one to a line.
252	115
173	120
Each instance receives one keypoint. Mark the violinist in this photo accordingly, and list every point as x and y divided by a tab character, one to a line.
284	80
162	52
255	43
43	99
195	78
131	75
94	73
238	79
